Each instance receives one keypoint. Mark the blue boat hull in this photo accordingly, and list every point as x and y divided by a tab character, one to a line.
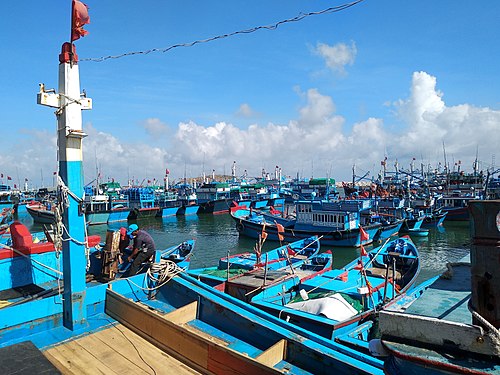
344	238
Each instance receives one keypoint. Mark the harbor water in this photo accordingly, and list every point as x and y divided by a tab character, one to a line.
216	237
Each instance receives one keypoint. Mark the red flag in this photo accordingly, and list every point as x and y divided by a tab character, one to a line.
281	237
9	178
167	171
1	175
363	236
280	228
264	233
80	17
359	266
363	251
343	276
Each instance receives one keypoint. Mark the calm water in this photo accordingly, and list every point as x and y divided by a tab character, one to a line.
216	235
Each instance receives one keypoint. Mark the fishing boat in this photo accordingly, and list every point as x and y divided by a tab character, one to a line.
142	202
187	196
288	255
337	222
455	205
42	213
291	253
212	334
264	281
180	254
169	204
454	326
336	301
105	204
434	218
214	197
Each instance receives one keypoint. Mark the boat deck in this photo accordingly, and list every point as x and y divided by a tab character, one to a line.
447	298
115	350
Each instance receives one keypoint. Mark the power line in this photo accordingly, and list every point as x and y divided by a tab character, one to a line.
273	26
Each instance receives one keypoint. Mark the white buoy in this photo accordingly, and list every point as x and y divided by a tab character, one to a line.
304	295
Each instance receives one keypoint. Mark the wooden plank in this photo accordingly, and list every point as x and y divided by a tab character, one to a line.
436	332
77	360
113	350
142	352
57	364
125	360
193	349
273	355
183	314
162	333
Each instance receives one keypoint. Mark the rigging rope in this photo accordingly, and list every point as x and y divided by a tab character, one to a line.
273	26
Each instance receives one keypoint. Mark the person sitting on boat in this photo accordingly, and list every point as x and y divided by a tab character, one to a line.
143	248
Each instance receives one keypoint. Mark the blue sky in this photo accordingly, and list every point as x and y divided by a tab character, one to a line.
382	78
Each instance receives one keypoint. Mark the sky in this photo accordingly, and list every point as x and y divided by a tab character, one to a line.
402	80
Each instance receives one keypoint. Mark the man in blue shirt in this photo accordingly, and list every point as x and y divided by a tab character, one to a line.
143	248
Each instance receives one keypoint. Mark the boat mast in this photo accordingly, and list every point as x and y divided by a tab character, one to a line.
69	103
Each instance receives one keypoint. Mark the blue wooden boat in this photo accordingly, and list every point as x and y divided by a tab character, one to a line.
141	202
336	301
105	204
453	327
214	335
279	264
365	337
456	205
42	212
434	218
265	281
180	254
168	203
214	197
291	253
388	228
338	223
411	222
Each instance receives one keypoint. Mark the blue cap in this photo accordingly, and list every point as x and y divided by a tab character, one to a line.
131	228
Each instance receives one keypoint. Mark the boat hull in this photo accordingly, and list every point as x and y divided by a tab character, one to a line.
344	238
41	216
219	206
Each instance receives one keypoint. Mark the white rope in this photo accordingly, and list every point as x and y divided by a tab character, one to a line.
61	230
166	271
483	321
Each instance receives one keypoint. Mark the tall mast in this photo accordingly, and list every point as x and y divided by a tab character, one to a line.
70	103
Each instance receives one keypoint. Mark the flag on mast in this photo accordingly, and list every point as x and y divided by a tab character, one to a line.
80	17
363	236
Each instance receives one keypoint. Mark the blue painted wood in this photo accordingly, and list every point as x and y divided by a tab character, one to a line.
353	282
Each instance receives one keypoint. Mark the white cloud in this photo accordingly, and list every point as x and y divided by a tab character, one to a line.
155	127
337	56
317	136
246	111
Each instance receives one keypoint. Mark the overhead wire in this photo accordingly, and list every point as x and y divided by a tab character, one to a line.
273	26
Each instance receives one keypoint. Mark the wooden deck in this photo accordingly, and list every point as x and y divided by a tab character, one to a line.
115	350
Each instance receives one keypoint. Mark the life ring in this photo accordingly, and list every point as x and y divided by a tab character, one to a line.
337	236
239	227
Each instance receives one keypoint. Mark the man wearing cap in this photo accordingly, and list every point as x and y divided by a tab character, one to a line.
143	248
